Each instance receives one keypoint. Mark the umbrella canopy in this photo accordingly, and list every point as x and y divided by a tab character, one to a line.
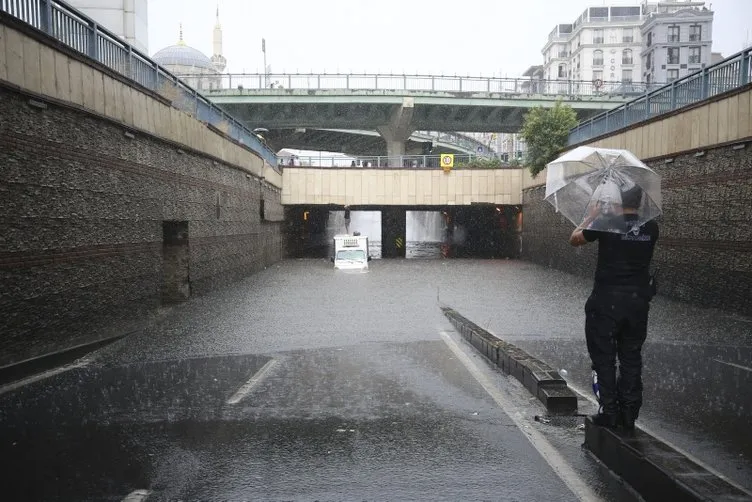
603	189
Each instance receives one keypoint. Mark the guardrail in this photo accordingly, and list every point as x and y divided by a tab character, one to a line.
74	29
721	77
401	161
416	83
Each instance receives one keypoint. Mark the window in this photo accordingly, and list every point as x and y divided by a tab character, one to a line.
695	33
673	55
562	70
597	75
626	76
672	75
627	35
673	33
695	54
598	58
650	39
598	36
648	61
626	56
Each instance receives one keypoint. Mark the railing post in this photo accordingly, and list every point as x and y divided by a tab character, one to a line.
673	95
488	85
705	84
744	77
318	82
347	81
404	82
647	106
45	15
129	64
433	83
460	84
94	42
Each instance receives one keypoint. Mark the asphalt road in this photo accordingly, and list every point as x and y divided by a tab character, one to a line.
302	383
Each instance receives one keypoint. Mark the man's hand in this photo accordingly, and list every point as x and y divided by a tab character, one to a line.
577	238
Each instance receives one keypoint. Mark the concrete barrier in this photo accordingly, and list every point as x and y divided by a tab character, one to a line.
541	380
654	469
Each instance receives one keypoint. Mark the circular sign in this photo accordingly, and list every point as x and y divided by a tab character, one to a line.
598	83
447	160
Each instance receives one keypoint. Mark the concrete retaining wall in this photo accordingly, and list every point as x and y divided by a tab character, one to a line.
90	169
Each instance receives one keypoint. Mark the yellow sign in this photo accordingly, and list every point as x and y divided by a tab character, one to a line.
447	160
399	242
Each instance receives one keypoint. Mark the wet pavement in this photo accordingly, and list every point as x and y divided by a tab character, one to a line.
359	396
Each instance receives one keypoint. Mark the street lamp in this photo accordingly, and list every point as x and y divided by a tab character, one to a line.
266	68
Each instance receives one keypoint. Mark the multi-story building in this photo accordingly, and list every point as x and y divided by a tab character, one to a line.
678	37
127	19
603	45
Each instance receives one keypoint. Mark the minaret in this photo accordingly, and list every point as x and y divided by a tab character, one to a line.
217	58
180	40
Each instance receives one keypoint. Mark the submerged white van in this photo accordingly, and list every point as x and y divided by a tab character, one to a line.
351	252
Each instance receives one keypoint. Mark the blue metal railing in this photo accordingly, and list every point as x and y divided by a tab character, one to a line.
81	33
731	73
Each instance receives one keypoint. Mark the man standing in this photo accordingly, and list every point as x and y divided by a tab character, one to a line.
617	311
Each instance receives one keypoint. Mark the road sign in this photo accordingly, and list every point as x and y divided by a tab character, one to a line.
398	242
480	149
447	160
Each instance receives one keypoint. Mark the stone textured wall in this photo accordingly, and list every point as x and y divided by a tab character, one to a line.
81	232
705	249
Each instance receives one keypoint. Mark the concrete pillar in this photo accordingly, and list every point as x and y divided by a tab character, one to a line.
393	232
397	131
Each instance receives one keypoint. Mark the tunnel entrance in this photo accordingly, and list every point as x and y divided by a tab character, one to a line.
475	231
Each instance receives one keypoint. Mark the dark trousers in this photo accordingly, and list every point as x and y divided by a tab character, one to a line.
616	325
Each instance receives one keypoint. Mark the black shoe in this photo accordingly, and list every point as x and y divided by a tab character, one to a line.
609	420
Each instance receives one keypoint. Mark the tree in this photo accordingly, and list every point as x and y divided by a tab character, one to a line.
546	132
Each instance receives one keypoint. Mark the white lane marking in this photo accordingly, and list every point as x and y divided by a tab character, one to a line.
660	438
745	368
562	469
45	374
137	496
247	387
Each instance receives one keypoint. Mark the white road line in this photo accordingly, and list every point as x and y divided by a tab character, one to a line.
562	469
745	368
651	432
247	387
137	496
41	376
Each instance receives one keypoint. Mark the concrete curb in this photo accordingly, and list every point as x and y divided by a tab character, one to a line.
654	469
23	369
539	378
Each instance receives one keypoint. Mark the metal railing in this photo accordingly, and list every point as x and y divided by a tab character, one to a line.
458	140
71	27
401	161
726	75
275	83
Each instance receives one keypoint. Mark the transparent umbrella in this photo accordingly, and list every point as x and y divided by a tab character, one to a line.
597	187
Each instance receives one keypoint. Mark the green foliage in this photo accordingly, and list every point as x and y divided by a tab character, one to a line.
546	131
482	163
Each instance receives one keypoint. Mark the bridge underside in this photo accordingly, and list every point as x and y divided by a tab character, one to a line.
489	114
479	231
352	142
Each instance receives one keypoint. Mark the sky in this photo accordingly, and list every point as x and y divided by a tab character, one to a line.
463	37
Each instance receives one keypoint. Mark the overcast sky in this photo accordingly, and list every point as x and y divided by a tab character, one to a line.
472	37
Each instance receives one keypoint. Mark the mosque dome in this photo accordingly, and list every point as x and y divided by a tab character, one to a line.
183	55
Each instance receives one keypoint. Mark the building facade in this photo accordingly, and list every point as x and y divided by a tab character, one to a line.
618	48
603	46
127	19
678	39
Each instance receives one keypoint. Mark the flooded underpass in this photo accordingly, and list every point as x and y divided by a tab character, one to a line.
478	231
299	383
